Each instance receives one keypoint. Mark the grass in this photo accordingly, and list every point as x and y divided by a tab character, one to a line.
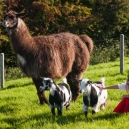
20	108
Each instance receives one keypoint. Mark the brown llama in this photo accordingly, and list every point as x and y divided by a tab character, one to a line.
54	56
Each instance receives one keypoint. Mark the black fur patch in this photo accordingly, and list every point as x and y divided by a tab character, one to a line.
92	99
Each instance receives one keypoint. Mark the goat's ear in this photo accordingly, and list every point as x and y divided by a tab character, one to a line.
89	82
21	15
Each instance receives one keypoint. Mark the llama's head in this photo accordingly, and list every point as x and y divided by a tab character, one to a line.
46	84
11	19
84	85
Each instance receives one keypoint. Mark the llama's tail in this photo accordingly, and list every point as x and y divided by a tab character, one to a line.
88	41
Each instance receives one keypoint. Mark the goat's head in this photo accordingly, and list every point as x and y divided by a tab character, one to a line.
84	85
11	19
46	84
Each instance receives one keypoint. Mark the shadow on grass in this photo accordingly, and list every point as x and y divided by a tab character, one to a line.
43	119
16	86
107	116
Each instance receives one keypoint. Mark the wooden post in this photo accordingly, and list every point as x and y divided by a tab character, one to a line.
121	53
1	70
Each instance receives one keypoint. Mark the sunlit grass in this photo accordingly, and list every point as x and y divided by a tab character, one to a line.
20	108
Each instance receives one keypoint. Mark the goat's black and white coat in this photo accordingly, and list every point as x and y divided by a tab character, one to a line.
60	95
92	95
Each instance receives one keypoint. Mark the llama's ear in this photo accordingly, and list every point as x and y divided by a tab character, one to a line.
21	15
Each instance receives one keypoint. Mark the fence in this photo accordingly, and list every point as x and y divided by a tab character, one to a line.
121	44
1	70
121	53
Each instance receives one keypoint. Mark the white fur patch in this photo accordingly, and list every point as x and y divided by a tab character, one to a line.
19	22
21	60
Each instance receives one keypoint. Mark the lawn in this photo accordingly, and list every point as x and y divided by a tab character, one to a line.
20	108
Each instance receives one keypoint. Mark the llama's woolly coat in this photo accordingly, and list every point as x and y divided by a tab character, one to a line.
55	56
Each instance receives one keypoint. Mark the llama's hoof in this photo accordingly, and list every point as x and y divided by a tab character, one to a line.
74	97
41	102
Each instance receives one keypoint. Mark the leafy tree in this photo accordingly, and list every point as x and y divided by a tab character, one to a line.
102	20
109	18
46	17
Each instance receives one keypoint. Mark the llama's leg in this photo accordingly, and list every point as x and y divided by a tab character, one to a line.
41	95
74	84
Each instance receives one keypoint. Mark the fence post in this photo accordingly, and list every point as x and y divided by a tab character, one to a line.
1	70
121	53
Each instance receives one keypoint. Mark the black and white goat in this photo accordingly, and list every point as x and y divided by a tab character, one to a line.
92	95
60	95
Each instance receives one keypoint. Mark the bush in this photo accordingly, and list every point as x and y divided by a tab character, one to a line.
12	73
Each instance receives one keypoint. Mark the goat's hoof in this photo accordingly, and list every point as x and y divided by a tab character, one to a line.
53	114
86	114
93	112
59	114
67	107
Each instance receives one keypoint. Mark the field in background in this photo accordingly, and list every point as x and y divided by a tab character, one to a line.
20	108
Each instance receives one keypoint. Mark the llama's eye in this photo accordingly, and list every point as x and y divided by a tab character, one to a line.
11	17
5	17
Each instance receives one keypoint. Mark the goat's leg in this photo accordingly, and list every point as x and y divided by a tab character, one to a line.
60	109
53	111
95	108
102	106
41	94
74	84
68	106
85	109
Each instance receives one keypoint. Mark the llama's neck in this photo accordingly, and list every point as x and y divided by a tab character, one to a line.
20	37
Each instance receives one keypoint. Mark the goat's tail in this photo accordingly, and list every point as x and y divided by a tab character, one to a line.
88	41
103	81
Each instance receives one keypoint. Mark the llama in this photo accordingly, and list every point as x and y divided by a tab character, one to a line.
54	56
92	95
60	95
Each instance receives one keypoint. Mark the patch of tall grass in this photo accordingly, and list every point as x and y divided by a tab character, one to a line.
20	108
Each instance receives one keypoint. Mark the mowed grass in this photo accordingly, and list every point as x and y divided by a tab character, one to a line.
20	108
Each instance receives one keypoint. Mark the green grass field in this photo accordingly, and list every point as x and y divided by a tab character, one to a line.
20	108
